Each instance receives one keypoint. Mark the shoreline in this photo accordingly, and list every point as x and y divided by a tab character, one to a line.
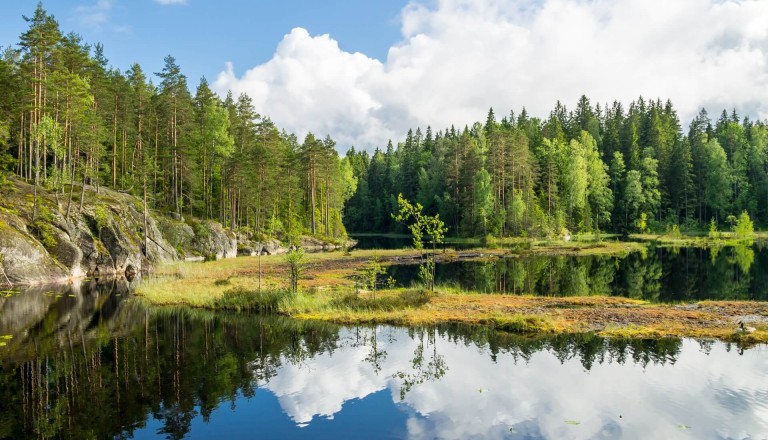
328	293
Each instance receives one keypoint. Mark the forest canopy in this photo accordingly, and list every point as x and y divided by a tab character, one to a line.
606	168
68	119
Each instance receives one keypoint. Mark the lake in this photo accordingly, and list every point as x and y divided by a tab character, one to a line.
660	274
94	363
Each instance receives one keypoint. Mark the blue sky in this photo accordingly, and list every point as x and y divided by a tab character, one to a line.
365	71
204	34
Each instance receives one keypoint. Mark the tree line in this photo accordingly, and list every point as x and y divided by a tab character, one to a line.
69	120
596	168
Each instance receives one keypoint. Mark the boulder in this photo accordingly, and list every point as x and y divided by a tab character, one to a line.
24	259
213	241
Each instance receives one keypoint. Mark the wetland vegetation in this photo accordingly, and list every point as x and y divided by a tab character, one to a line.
650	293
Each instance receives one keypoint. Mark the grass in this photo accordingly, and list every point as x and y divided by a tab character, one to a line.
328	293
697	239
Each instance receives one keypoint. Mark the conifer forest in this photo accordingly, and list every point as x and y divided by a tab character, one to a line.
68	118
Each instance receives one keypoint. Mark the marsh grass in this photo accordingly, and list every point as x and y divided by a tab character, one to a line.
327	293
387	301
522	323
239	299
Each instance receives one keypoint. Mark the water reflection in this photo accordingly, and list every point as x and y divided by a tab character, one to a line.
182	374
659	274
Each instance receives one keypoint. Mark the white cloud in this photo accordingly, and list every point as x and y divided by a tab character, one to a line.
483	398
95	15
457	58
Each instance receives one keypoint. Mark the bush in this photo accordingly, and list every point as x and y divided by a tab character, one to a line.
744	228
714	234
296	262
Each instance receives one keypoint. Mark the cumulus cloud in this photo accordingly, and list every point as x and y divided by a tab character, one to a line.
457	58
484	398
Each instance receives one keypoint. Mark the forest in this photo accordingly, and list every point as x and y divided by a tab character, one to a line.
68	119
596	168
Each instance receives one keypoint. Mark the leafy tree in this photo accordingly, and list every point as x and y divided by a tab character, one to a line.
744	229
296	260
483	198
716	178
422	226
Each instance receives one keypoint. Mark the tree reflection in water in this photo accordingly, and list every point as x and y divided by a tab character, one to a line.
660	274
88	364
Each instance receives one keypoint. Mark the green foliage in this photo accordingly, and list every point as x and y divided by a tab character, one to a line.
642	223
713	234
245	300
371	276
101	216
674	231
212	158
744	229
422	225
296	260
44	228
405	299
483	198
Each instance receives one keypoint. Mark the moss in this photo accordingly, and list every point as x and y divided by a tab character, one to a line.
43	227
101	216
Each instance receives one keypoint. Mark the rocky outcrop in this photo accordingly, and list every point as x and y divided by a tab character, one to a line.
105	238
275	247
199	239
312	244
24	259
263	247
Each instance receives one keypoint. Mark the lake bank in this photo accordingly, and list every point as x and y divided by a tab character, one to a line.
328	292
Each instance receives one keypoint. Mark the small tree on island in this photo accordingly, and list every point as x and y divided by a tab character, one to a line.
744	229
422	225
373	275
295	260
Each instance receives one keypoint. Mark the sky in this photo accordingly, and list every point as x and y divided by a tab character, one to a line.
364	72
507	390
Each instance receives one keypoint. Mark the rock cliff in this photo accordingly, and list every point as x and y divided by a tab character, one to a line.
104	236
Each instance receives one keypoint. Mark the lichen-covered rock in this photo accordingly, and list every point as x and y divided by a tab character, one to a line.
313	244
213	241
24	259
178	234
199	239
105	238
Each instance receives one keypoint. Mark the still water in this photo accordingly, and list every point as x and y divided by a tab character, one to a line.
94	363
658	274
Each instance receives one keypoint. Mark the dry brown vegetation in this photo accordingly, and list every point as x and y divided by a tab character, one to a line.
328	293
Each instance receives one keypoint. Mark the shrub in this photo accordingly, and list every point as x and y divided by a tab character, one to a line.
714	234
744	228
296	262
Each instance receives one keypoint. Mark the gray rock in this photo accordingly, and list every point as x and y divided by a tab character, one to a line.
24	259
